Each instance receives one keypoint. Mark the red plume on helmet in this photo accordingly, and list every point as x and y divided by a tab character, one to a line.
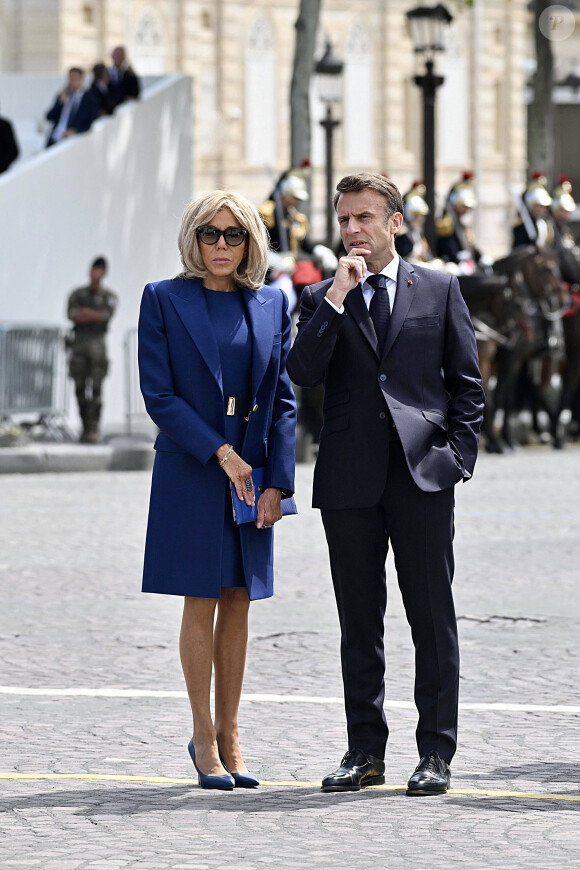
562	198
462	192
536	192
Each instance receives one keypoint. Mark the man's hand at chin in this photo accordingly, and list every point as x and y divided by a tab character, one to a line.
350	272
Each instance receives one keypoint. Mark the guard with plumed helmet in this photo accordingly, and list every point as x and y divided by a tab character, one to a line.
531	226
455	241
410	241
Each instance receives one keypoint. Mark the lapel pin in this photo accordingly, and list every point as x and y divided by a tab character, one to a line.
409	281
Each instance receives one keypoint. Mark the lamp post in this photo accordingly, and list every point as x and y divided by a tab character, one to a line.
427	25
329	85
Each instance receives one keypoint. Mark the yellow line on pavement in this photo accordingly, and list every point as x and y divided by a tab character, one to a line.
99	777
532	795
165	780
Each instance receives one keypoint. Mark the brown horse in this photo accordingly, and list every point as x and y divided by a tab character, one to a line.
526	372
489	300
514	312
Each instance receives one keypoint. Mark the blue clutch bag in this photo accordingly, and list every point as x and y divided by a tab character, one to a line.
243	513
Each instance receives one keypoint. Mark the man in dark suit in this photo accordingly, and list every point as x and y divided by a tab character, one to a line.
124	84
9	150
99	91
395	348
73	110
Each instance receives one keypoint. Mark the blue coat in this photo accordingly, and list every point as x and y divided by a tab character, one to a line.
181	382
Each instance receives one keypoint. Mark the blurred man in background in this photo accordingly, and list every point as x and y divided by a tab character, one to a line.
124	84
73	110
288	227
562	210
411	242
90	308
99	91
8	146
455	241
532	226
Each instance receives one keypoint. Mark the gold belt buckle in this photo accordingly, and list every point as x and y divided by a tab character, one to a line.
231	406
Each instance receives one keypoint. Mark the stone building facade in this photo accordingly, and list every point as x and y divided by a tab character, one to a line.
240	54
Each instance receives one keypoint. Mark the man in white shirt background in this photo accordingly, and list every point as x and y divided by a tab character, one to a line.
73	111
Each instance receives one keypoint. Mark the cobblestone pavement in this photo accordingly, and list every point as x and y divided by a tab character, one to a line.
73	619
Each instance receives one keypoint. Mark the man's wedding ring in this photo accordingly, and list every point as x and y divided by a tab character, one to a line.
248	483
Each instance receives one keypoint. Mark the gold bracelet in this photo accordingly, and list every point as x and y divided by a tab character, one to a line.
226	457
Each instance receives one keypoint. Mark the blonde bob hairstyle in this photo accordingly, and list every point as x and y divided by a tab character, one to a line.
252	270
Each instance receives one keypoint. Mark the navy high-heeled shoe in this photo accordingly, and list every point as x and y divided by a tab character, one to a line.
242	780
225	783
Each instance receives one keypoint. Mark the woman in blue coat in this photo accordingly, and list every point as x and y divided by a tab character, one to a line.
213	344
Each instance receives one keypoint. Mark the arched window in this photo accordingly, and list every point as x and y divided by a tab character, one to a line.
261	110
149	48
358	126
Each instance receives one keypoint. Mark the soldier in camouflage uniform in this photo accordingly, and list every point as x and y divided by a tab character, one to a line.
90	309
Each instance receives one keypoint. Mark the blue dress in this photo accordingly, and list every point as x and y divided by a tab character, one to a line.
228	316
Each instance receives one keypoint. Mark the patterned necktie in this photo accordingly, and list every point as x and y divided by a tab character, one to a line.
380	307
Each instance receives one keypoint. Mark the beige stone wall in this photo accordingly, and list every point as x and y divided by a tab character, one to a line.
208	41
30	35
498	118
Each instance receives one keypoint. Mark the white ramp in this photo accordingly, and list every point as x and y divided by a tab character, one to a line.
117	191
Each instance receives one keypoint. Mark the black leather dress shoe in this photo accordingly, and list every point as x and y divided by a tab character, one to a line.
357	770
431	776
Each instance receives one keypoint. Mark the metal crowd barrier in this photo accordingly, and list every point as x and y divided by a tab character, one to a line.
33	378
135	413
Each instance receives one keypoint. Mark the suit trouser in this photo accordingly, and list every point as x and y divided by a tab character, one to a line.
419	526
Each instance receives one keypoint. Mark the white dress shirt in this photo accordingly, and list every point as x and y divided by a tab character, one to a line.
390	272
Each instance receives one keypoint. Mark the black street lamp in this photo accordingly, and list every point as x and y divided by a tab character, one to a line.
329	85
427	25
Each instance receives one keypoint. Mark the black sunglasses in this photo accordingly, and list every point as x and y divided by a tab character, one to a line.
233	236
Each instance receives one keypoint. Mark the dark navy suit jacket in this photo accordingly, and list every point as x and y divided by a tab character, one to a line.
80	118
427	380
